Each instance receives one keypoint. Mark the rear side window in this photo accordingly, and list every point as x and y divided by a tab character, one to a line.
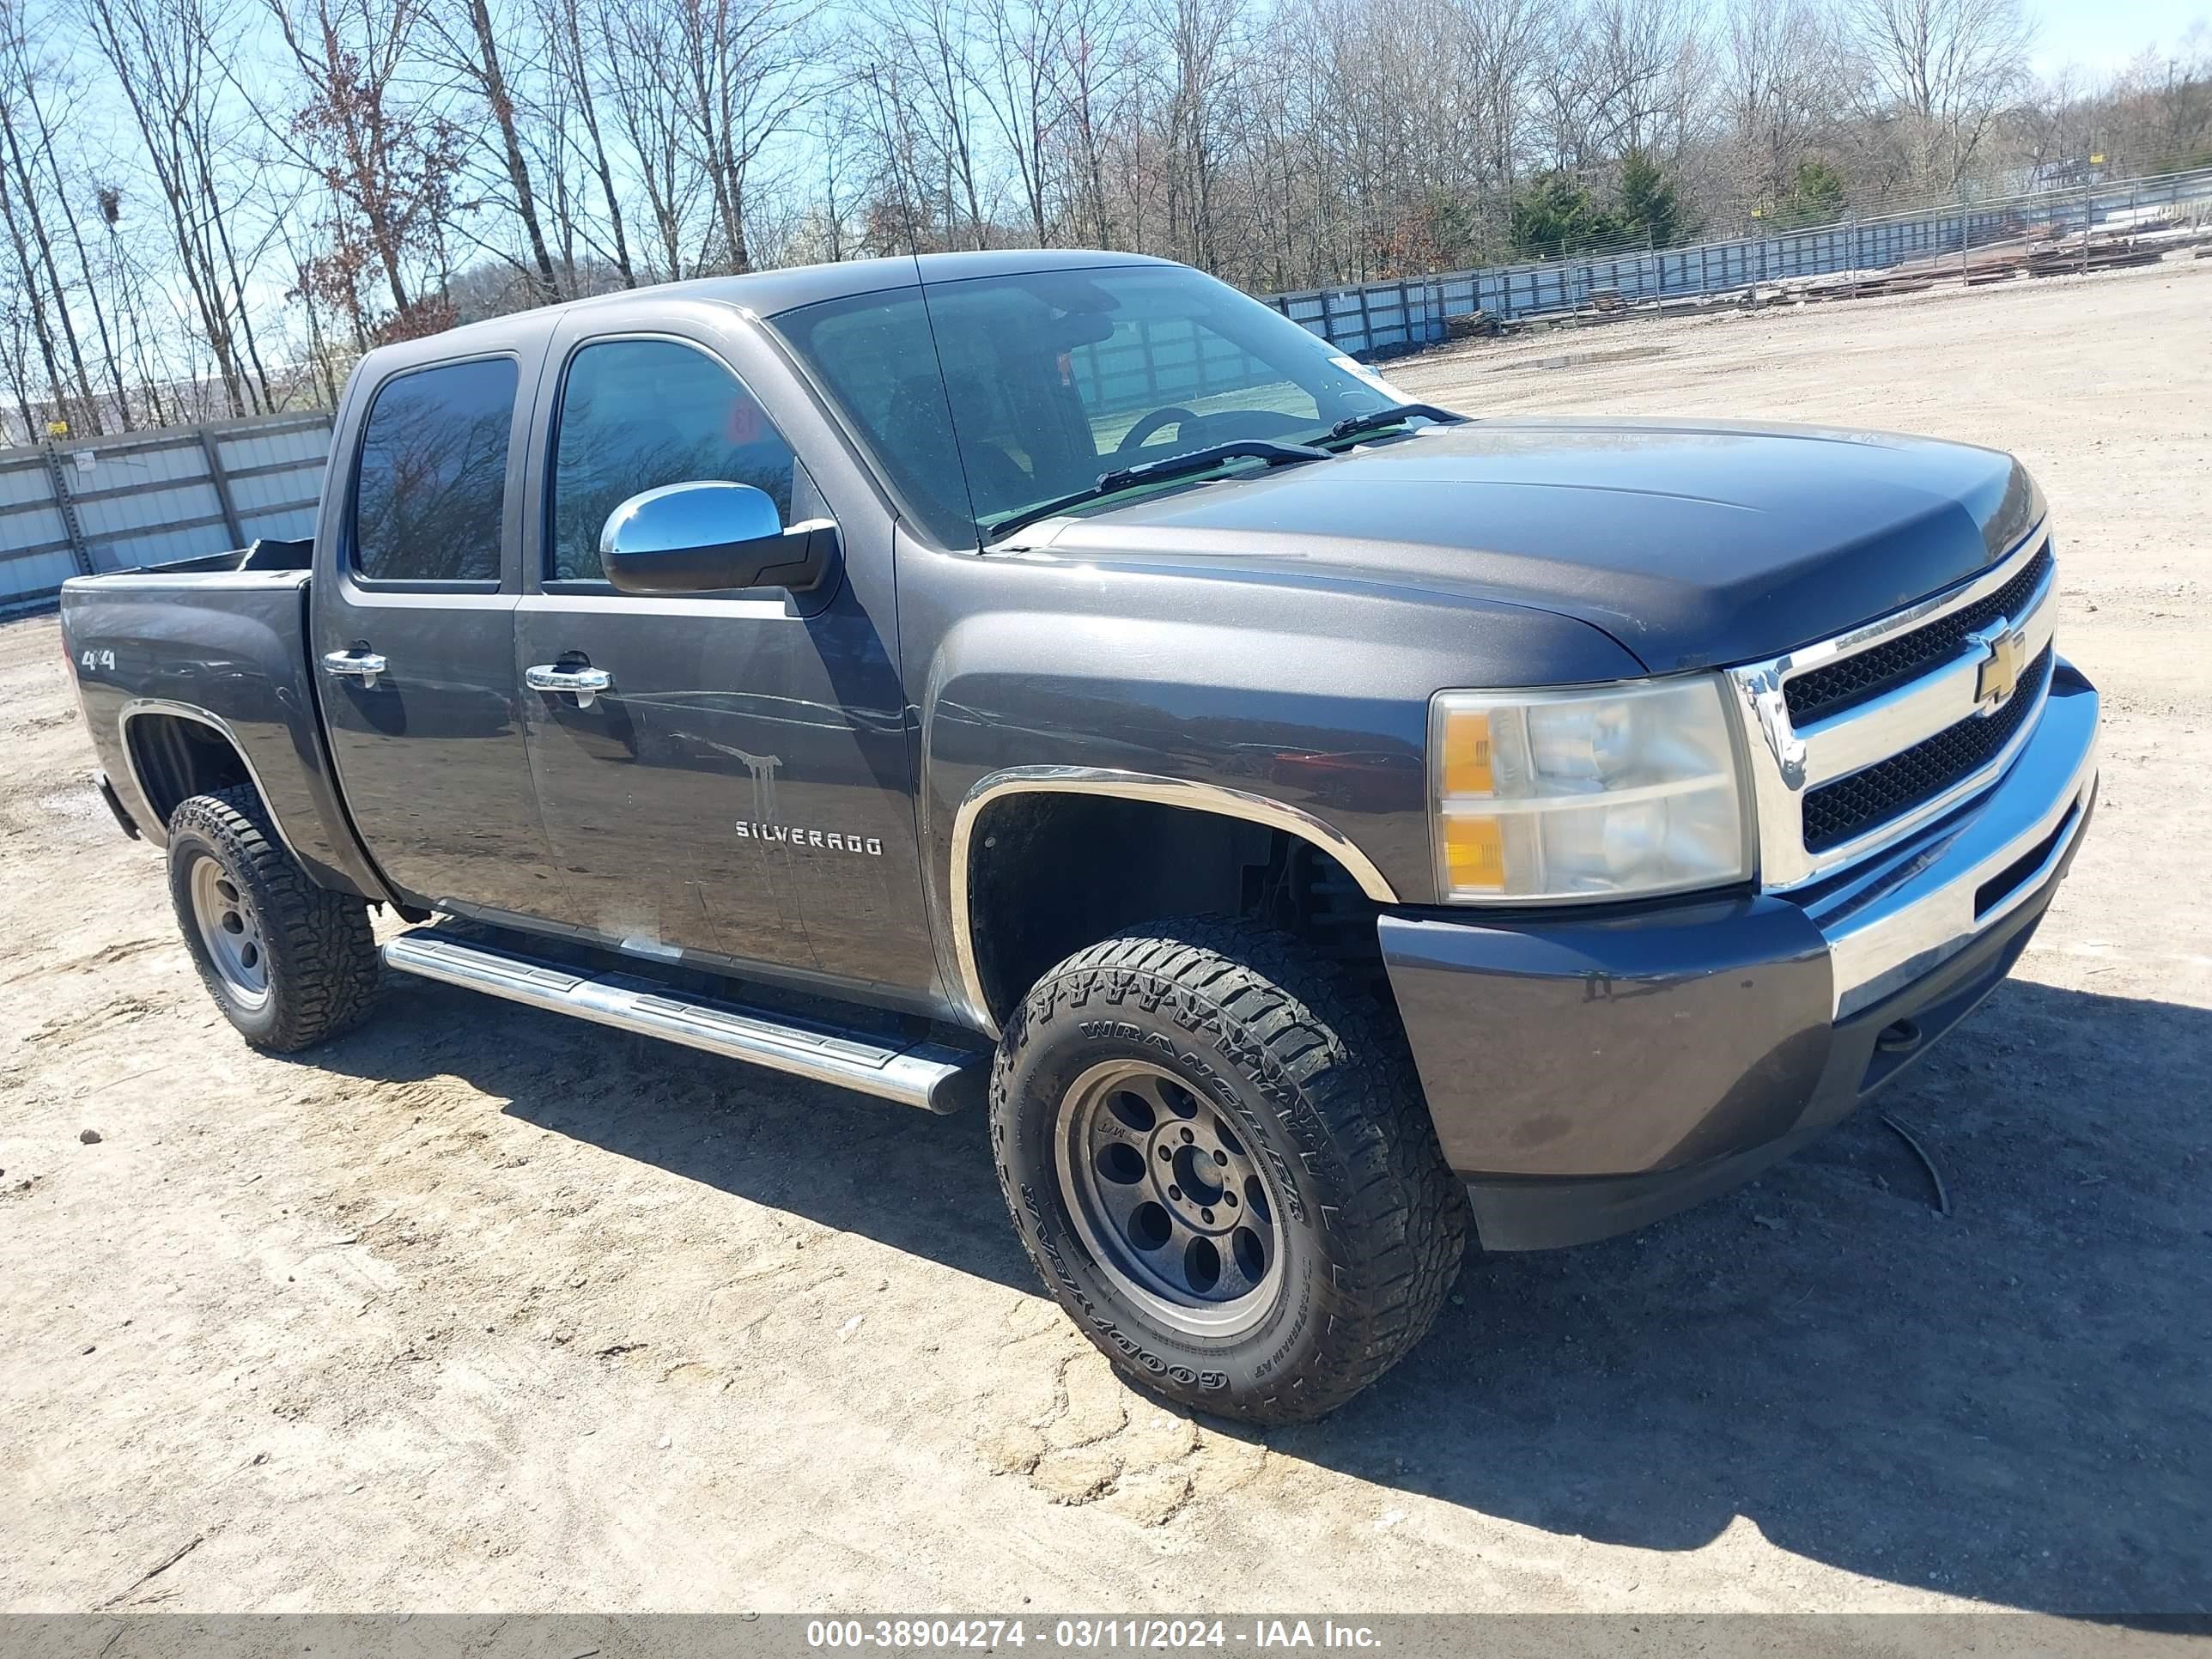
432	490
639	414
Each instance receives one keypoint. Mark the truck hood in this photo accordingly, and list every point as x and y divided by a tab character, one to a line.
1693	544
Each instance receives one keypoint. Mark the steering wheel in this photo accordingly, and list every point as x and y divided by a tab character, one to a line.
1173	415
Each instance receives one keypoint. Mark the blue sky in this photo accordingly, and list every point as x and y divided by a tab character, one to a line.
2106	34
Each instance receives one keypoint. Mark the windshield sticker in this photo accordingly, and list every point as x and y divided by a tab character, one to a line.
1352	365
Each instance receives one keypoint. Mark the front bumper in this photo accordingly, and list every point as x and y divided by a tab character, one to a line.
1588	1075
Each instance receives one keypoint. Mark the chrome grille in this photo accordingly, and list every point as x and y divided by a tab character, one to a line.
1856	741
1837	812
1827	692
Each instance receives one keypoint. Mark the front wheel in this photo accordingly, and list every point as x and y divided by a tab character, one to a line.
1217	1152
289	963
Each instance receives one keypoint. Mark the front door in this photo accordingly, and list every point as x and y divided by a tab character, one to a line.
414	642
741	789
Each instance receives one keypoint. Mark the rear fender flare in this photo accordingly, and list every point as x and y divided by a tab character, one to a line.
216	723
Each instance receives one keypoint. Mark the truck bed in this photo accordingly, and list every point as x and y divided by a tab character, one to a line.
265	553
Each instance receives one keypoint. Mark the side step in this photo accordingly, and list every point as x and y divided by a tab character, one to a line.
930	1075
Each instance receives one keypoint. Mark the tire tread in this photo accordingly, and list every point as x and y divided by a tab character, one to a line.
327	952
1279	1009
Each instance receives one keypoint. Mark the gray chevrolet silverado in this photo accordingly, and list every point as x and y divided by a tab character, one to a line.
1318	824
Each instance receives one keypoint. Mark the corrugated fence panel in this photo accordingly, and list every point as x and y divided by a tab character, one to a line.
35	574
161	544
23	483
35	527
275	476
297	443
264	492
150	498
35	556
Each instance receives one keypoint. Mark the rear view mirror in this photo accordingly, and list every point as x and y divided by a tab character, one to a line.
704	537
1078	328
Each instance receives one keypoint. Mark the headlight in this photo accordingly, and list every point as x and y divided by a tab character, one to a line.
1566	795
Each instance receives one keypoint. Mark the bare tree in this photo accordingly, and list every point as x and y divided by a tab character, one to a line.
2158	115
468	46
386	159
1201	38
738	85
637	42
917	54
1949	68
30	79
1023	47
413	163
1776	78
1091	86
570	67
164	57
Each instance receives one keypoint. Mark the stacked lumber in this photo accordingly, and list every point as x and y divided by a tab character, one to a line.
1902	280
2102	253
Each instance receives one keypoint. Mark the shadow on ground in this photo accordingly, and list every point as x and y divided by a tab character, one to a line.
2012	1404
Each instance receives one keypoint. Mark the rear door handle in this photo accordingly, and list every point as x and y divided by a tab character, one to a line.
355	665
584	684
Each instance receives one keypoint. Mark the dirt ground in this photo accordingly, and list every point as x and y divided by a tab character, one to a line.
479	1308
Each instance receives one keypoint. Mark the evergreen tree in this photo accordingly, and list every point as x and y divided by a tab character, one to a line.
1650	208
1816	197
1555	217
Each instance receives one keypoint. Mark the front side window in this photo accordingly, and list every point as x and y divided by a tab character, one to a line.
639	414
431	494
874	355
1047	379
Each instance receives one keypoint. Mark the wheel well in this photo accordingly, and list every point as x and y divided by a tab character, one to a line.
176	758
1050	873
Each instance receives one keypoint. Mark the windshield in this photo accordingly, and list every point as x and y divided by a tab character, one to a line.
985	397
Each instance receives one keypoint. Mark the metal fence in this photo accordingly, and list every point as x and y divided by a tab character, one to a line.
1404	315
84	505
79	506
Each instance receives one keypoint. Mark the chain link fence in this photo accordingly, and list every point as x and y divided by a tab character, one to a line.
1404	314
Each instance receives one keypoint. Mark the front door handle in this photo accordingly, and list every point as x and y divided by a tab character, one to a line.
584	684
355	665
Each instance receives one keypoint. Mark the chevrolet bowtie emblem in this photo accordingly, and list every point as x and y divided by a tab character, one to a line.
2005	659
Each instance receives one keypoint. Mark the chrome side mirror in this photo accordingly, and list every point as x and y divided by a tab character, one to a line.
707	537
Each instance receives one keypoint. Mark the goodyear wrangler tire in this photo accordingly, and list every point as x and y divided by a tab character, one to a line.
289	963
1217	1155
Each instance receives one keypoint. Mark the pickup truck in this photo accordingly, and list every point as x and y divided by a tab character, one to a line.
1315	826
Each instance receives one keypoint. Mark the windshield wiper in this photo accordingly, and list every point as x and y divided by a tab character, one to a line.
1375	419
1188	464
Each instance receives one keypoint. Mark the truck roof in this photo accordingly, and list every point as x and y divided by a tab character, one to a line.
766	293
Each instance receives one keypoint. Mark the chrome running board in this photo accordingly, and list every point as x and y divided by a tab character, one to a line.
934	1076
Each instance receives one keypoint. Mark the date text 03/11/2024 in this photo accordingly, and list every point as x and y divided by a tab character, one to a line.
1086	1635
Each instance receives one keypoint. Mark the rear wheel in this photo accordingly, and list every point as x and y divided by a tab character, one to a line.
1217	1155
289	963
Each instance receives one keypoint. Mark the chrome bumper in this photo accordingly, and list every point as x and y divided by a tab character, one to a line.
1904	916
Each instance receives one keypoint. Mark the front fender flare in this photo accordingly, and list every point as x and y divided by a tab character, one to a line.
1125	786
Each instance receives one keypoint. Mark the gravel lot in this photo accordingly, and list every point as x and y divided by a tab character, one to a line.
479	1308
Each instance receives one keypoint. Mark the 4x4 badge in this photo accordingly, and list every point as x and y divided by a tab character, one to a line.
2006	658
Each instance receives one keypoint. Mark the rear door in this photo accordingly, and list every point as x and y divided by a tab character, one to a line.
742	787
414	639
